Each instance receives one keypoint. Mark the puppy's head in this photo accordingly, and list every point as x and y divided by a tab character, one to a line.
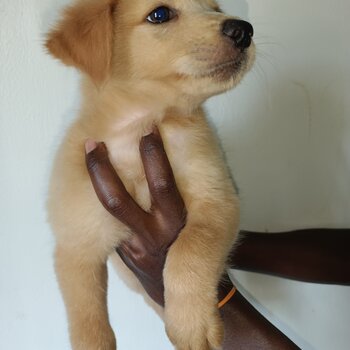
190	47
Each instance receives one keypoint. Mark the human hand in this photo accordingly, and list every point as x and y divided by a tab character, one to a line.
154	231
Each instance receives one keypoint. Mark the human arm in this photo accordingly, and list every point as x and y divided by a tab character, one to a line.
246	328
316	255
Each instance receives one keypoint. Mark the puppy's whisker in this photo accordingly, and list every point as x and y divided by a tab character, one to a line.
260	73
267	43
266	57
266	40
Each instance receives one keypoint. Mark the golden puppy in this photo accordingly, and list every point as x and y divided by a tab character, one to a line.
145	63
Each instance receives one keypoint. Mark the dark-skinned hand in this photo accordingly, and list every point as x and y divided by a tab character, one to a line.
153	231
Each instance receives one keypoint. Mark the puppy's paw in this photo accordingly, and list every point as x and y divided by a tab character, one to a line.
96	338
194	325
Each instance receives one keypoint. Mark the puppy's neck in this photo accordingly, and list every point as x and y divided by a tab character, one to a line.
134	104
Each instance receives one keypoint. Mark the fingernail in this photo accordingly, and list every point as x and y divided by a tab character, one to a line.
103	146
90	145
155	130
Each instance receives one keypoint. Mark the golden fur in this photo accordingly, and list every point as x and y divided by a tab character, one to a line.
137	74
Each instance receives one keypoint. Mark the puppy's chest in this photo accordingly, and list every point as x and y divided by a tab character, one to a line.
125	157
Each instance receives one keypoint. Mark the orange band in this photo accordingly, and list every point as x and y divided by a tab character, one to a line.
227	298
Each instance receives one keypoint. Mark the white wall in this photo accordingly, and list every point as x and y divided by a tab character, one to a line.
286	129
286	133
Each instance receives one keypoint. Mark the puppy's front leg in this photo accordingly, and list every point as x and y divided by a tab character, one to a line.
83	281
193	269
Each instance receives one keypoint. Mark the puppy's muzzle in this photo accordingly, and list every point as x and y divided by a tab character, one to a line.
240	32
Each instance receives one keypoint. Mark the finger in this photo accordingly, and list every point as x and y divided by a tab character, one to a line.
126	256
110	189
134	248
160	177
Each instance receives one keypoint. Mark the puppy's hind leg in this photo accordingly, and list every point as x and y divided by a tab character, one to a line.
83	281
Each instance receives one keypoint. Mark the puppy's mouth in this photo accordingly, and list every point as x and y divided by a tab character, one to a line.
227	69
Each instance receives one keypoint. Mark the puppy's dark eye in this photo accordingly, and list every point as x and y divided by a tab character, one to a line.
160	15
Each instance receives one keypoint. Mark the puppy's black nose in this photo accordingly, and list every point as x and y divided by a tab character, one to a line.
240	32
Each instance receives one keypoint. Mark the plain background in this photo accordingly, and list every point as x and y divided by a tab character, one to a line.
286	133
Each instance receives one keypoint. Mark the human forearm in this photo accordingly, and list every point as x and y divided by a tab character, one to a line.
310	255
246	328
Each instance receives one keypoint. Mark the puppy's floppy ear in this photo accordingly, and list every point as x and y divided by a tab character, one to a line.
83	38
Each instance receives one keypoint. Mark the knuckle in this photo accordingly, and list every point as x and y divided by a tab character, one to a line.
94	161
151	148
151	145
116	206
92	164
164	185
